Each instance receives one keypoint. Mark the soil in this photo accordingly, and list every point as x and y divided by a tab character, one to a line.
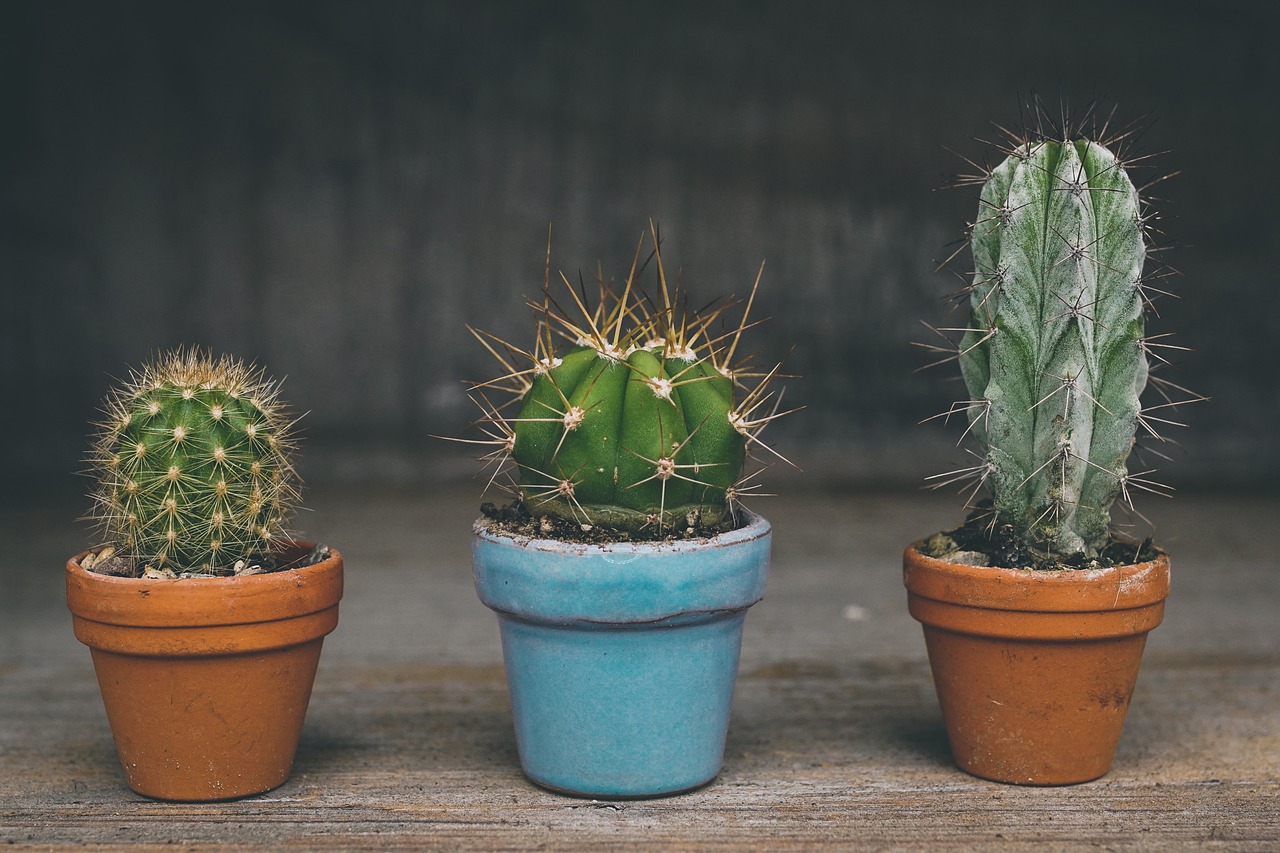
978	543
105	561
514	520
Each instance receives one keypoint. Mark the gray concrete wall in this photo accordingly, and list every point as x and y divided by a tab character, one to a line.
334	189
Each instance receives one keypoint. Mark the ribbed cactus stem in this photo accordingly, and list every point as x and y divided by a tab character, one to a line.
193	465
1053	358
628	441
631	413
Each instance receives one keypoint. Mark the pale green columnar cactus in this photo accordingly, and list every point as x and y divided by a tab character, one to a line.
631	414
1054	357
192	463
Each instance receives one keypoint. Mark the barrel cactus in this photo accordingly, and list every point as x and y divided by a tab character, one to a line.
1054	355
631	413
192	463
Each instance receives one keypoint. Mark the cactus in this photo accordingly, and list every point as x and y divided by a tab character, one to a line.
632	413
1054	355
192	463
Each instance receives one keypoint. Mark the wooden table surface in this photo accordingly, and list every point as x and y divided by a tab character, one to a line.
836	740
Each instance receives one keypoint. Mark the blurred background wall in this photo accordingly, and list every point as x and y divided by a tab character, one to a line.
335	189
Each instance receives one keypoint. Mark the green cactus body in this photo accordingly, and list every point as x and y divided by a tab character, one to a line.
1054	358
193	465
628	441
631	414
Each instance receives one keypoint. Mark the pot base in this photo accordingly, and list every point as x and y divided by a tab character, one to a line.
622	712
178	739
621	798
1033	713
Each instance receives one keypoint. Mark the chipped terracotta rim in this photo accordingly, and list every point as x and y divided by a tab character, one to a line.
204	602
1064	591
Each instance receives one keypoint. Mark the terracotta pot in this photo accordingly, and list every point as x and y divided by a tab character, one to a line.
206	681
1034	670
621	658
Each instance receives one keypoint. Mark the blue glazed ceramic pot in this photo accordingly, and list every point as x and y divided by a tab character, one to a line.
621	658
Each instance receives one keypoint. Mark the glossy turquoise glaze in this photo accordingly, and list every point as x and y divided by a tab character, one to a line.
621	658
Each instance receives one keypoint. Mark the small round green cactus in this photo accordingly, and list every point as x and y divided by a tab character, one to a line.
193	466
640	419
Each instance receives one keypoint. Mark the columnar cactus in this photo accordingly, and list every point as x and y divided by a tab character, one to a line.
1054	356
632	413
193	464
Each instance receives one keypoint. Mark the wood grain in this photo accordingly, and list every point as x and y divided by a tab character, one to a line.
836	741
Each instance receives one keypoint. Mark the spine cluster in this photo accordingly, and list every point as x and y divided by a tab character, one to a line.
192	462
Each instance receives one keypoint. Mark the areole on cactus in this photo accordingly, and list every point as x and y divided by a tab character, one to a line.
632	413
193	464
1055	356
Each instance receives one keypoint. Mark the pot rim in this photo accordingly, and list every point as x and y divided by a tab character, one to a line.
621	583
1123	587
205	602
755	527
